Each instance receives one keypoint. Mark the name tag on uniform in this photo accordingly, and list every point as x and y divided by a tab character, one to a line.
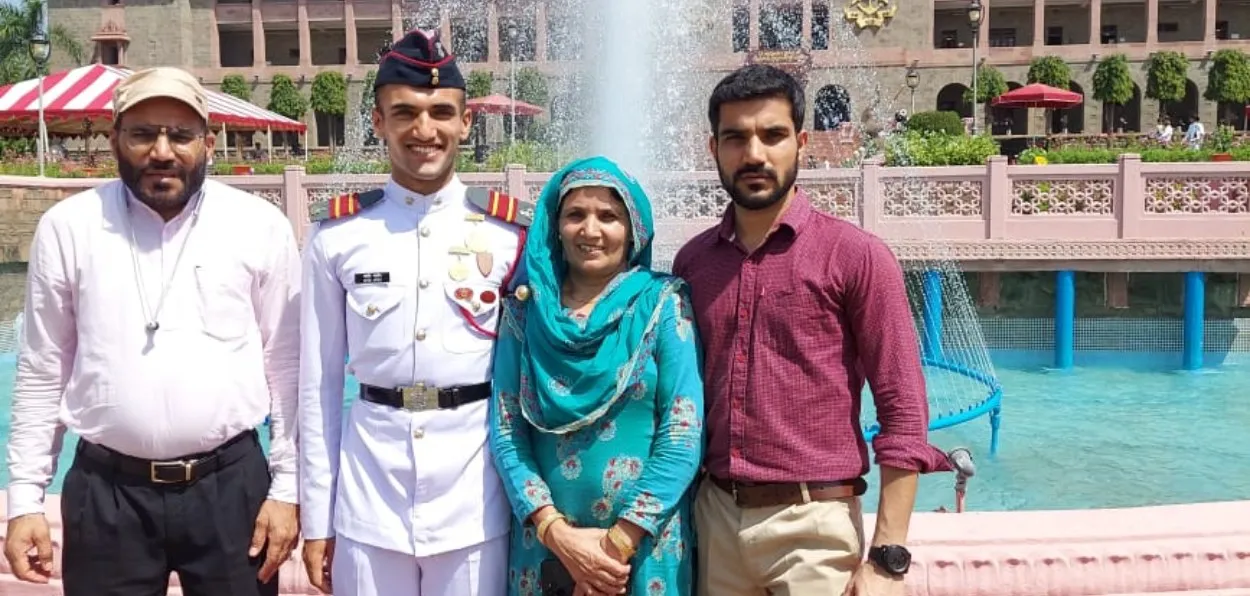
373	278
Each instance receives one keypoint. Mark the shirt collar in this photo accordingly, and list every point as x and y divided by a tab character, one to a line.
794	218
419	203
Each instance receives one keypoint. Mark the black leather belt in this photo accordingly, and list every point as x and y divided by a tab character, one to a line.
183	470
422	397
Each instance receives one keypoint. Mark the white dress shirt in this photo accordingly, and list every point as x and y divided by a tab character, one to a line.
225	355
378	286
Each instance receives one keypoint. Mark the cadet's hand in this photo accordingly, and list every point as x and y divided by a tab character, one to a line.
318	557
29	533
580	551
278	525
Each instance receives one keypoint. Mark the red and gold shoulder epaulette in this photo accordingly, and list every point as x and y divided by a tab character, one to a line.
344	205
501	206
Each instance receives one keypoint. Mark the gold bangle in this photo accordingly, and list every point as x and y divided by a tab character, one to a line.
622	542
545	525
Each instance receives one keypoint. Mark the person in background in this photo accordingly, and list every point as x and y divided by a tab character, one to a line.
797	309
403	283
597	418
161	327
1195	133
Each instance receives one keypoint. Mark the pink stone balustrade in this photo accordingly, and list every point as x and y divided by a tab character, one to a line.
980	215
1201	549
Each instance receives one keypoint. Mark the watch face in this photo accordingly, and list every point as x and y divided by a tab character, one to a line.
897	559
893	559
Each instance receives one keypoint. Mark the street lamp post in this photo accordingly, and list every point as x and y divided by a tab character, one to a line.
40	50
512	37
913	81
975	15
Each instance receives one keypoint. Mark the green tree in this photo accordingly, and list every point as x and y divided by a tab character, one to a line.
1166	76
329	99
20	20
990	84
1228	83
236	86
531	86
367	101
1051	71
285	99
1113	86
479	83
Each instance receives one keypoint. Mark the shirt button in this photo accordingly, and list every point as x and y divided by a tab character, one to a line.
371	310
418	434
408	200
425	232
420	335
425	283
438	201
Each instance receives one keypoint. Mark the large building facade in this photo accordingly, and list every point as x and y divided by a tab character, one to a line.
829	38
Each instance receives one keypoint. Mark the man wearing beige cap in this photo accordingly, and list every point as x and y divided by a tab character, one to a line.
161	328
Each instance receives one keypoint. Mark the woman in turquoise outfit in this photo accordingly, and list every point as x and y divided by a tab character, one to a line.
597	417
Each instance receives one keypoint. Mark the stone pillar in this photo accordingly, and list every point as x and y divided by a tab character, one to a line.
349	23
258	36
1039	23
305	33
1095	22
1208	32
1152	23
492	32
444	23
807	25
983	34
397	20
989	288
214	41
540	31
1115	286
753	9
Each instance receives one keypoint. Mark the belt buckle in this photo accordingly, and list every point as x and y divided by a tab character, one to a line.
156	465
417	398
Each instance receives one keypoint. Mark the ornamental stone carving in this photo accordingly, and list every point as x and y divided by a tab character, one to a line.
870	13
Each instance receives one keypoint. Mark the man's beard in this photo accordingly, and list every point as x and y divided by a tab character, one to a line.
163	199
751	203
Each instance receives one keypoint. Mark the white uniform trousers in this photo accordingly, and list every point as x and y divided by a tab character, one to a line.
363	570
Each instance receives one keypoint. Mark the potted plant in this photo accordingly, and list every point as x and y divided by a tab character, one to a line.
1221	142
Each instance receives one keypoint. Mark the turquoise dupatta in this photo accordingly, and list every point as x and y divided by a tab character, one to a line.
572	372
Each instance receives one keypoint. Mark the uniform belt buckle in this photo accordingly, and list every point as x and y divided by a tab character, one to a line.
418	398
156	466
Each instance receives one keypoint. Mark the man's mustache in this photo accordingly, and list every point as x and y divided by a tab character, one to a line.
755	170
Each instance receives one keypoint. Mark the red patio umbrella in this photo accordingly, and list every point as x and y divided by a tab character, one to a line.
1038	95
501	104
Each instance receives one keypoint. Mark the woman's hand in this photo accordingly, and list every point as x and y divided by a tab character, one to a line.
580	550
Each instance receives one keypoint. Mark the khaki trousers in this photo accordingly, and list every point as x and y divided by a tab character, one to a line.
790	550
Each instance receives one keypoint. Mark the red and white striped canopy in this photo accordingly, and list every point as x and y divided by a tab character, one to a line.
84	95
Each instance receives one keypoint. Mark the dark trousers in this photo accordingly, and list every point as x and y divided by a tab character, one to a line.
124	534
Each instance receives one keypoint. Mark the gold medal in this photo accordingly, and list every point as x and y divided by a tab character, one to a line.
458	270
477	241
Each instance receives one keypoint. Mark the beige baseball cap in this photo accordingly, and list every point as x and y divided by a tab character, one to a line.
162	81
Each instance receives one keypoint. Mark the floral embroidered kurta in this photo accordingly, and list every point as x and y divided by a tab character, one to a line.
636	463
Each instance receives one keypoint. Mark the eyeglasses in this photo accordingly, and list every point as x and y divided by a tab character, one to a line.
143	138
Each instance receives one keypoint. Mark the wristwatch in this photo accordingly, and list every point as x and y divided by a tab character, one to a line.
891	558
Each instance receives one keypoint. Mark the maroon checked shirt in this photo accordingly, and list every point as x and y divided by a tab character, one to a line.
790	333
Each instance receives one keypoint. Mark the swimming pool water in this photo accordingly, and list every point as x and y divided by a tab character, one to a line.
1122	436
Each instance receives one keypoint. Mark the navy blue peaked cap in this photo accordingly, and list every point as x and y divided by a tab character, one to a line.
419	60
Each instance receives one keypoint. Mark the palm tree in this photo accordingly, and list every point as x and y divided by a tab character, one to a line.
19	22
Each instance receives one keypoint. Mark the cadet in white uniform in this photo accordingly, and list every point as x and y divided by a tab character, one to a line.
404	285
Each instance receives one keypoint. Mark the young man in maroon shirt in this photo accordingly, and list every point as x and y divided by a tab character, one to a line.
797	309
